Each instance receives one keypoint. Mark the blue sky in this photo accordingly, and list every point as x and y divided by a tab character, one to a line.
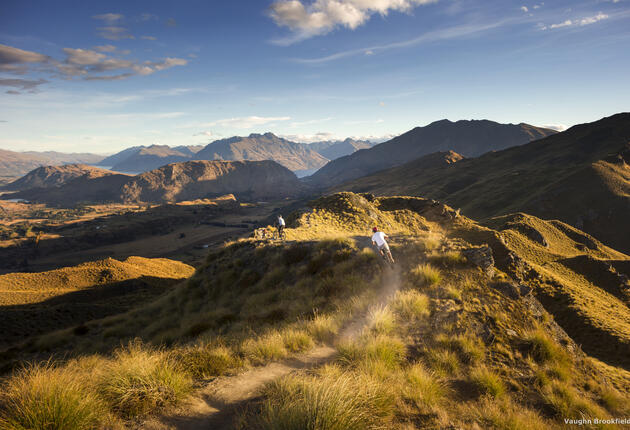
101	76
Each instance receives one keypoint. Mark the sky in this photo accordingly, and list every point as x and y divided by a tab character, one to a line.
96	76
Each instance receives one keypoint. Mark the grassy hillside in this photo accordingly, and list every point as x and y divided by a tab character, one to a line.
36	303
580	176
446	339
469	138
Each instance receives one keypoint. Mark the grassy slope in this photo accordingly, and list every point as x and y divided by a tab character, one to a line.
37	303
568	176
449	349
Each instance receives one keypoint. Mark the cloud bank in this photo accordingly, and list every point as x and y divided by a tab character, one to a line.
323	16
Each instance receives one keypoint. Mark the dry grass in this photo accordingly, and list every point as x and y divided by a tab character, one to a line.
331	402
411	305
487	382
297	340
443	361
139	380
265	348
424	275
390	351
207	360
424	389
51	398
381	320
323	328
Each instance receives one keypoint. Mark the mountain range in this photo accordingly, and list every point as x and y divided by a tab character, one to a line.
294	156
580	176
14	164
333	149
468	138
72	184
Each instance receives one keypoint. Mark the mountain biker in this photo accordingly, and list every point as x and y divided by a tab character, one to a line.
378	239
280	225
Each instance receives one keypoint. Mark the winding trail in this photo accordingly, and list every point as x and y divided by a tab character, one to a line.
216	404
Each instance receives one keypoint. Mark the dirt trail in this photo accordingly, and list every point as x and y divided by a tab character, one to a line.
215	405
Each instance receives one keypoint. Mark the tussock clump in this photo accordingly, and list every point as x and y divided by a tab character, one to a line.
323	328
443	361
47	397
487	382
331	402
139	380
381	320
204	361
425	275
411	305
265	348
544	350
566	402
424	388
469	347
503	414
297	340
390	351
449	258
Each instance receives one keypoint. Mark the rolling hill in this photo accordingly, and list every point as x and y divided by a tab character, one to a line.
13	164
469	138
517	324
54	176
580	176
257	147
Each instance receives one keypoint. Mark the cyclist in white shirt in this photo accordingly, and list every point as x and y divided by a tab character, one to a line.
280	225
378	239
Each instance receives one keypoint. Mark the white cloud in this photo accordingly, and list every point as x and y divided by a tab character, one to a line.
593	19
576	22
524	9
369	52
205	133
557	127
109	18
245	122
322	16
148	37
566	23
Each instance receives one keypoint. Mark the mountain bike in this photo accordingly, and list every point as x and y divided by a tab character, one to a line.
280	235
386	255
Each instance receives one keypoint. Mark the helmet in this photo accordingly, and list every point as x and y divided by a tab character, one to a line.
279	216
374	229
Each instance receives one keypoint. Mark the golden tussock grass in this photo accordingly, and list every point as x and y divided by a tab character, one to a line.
411	305
52	398
425	275
334	402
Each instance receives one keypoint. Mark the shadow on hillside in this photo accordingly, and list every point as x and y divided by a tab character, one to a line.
20	322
